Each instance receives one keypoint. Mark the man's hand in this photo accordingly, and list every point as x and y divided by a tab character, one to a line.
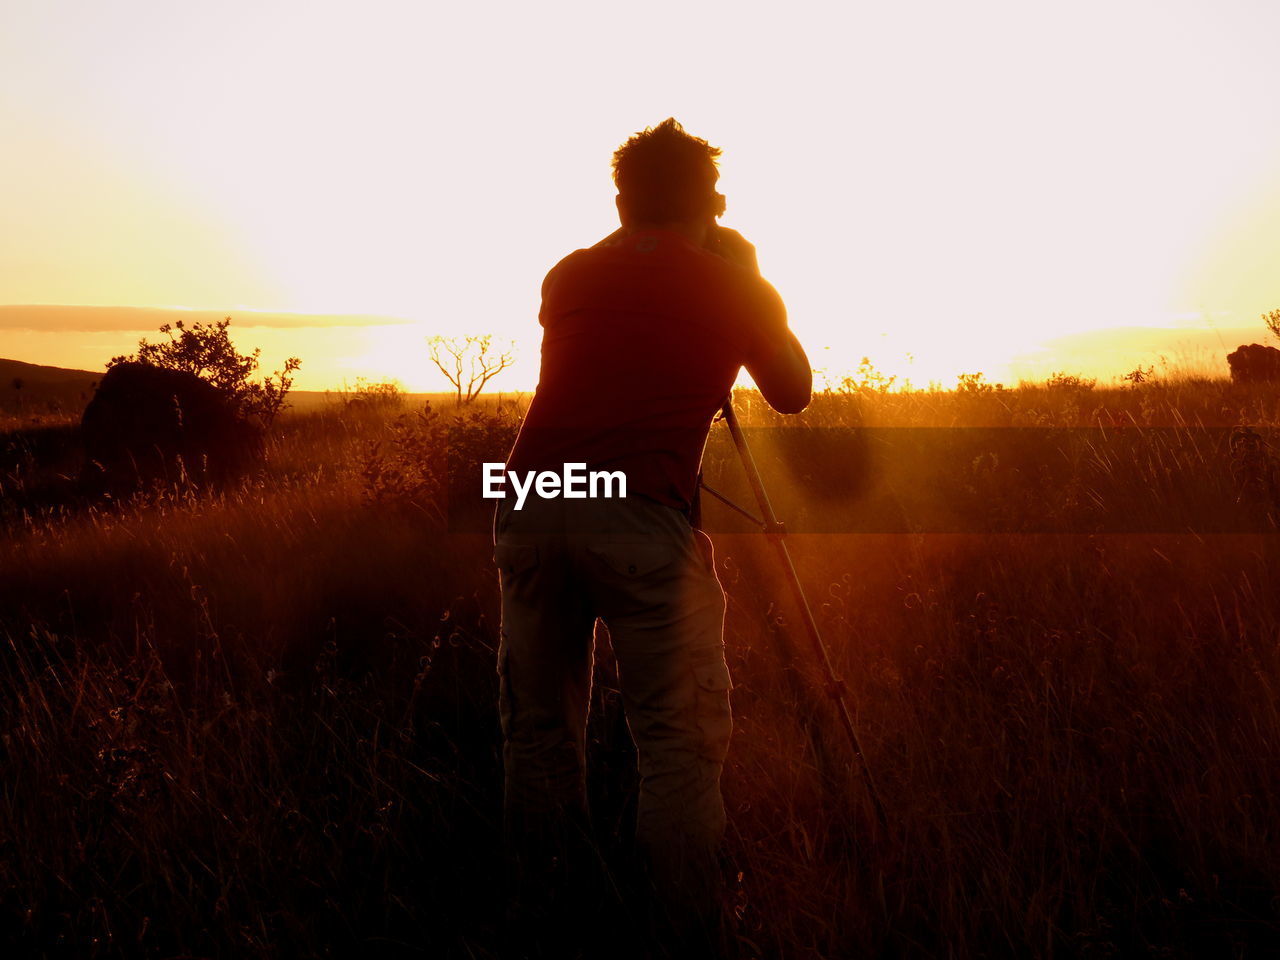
733	246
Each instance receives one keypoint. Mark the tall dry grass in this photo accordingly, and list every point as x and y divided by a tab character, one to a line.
262	723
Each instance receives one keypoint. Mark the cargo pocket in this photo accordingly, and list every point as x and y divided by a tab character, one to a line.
634	560
514	559
517	572
711	705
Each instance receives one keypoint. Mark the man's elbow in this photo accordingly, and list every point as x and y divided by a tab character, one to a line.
797	379
786	379
789	398
789	403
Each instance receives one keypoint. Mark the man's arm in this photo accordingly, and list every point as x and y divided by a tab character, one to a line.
784	376
780	367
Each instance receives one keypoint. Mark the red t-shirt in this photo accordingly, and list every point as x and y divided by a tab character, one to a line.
642	341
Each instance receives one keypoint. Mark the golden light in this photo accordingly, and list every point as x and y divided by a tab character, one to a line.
942	189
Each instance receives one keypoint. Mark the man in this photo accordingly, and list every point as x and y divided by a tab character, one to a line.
643	337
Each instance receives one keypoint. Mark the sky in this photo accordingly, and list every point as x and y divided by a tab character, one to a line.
941	187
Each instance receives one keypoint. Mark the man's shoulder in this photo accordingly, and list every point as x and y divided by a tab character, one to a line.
564	266
686	264
569	259
644	249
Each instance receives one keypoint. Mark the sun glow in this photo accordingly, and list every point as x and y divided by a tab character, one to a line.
941	189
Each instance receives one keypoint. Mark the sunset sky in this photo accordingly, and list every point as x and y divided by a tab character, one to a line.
943	187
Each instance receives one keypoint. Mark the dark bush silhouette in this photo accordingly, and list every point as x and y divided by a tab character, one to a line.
206	350
1254	363
146	423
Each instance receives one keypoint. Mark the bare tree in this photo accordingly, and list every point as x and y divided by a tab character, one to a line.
469	362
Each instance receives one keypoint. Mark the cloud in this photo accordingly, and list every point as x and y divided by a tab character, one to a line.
80	319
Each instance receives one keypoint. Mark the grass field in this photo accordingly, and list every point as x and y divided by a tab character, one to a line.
263	722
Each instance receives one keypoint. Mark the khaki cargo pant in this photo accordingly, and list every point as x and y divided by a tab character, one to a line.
639	567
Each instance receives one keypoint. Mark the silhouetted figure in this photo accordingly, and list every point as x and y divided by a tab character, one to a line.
147	423
1254	363
643	337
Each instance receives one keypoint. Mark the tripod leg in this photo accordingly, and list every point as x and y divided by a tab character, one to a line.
776	531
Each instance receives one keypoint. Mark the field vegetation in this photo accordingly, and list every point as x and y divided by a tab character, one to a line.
261	721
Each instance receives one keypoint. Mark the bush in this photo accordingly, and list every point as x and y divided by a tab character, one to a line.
976	385
370	396
1139	375
868	380
434	462
1070	383
206	350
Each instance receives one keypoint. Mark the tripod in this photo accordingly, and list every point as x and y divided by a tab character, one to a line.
775	530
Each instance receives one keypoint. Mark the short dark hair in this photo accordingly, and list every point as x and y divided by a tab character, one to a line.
665	174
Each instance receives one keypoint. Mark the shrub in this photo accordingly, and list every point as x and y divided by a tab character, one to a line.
976	385
206	350
868	380
1272	320
1139	375
1070	382
370	397
433	462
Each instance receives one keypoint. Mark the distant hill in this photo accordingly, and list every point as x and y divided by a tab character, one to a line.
34	389
58	390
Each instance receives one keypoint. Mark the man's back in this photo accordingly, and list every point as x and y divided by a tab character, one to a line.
643	339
